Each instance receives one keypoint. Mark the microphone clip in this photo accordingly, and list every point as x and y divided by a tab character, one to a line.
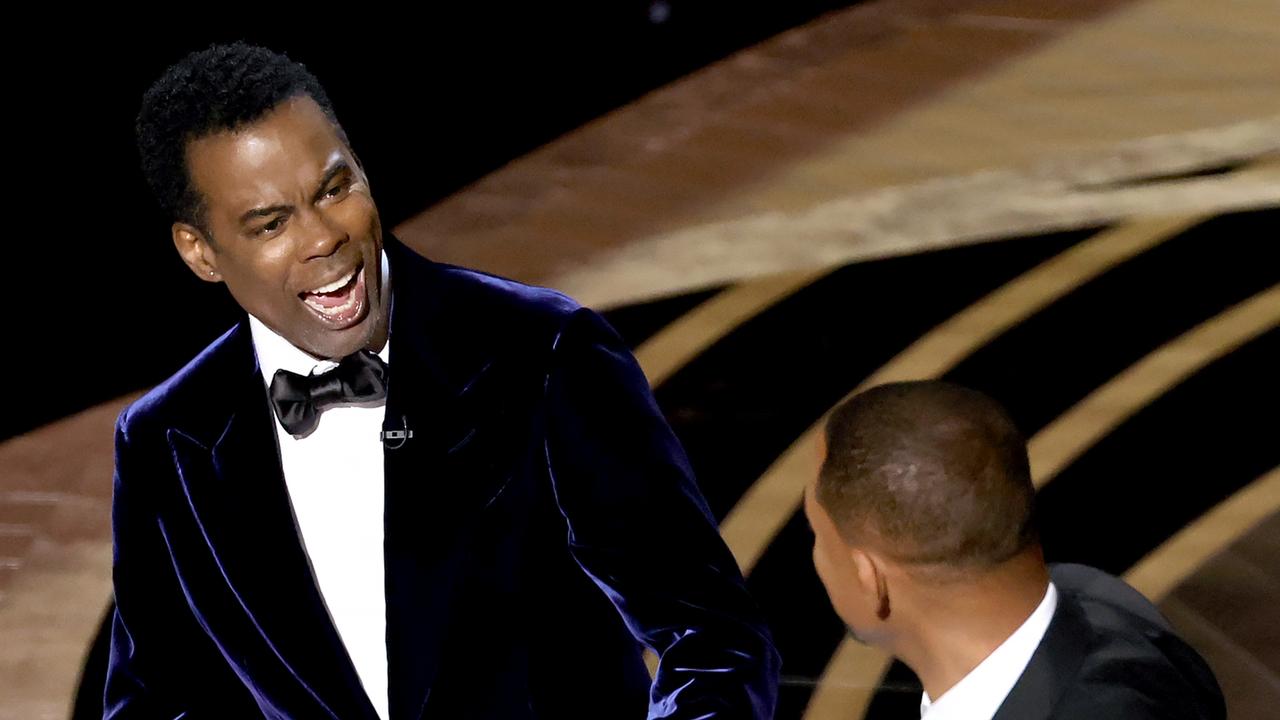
395	439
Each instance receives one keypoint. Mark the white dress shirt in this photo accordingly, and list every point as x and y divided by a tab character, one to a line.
336	486
979	694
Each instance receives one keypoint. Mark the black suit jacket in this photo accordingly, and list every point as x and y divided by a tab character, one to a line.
1110	655
540	521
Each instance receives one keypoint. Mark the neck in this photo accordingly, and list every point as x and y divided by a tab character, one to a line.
958	624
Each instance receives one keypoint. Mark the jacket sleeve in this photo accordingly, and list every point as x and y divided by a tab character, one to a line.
159	658
639	527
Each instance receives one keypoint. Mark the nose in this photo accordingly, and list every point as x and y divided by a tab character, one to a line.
322	234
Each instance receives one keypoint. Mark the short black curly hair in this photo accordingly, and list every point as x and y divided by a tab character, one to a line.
220	88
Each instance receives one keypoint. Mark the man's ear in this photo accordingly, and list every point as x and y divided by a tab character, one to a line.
872	580
196	251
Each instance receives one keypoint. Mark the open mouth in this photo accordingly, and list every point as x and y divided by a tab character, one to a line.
340	303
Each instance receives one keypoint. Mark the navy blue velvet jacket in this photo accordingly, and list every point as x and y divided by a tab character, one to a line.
542	519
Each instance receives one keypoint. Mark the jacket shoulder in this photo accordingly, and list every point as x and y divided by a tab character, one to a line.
505	316
200	382
507	299
1132	683
1136	665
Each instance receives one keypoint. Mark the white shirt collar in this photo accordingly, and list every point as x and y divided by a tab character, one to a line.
276	353
979	694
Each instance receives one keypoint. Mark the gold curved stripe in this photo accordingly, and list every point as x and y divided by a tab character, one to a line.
859	668
848	683
695	331
774	498
1079	428
691	334
1179	557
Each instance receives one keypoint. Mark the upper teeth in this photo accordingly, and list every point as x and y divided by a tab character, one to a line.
335	284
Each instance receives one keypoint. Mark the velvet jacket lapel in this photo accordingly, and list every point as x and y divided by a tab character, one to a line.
444	388
232	478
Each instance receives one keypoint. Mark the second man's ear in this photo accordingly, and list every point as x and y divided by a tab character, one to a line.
872	581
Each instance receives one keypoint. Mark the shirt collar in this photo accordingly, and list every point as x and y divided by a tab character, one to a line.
980	693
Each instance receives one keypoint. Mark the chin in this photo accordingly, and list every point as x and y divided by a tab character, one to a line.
338	348
362	333
327	341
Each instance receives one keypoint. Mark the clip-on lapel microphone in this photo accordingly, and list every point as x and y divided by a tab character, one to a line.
394	439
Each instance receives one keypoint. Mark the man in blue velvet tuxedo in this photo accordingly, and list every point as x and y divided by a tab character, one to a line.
397	489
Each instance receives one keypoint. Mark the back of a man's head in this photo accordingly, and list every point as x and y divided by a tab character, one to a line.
930	474
221	88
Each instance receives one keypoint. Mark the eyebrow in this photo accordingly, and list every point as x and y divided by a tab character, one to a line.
338	167
263	212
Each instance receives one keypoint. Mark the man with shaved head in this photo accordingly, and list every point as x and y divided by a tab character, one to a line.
925	538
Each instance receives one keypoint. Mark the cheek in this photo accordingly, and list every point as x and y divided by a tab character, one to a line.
260	286
829	576
841	586
820	564
358	213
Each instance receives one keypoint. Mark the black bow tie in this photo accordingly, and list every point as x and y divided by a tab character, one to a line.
299	399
